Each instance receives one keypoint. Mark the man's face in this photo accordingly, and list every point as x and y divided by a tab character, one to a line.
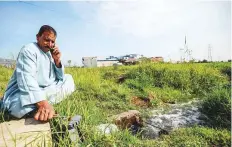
46	40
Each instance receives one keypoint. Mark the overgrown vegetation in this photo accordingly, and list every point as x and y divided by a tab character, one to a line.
217	106
196	136
104	92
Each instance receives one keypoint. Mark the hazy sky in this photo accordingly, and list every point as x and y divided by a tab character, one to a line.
104	28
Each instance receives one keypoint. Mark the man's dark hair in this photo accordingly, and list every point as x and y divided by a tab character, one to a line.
45	28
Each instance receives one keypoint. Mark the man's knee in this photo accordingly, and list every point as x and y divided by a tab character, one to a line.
70	82
68	77
17	111
17	114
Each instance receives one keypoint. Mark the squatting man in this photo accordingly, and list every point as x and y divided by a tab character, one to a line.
38	80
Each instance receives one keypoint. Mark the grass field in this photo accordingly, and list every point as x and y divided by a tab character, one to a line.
100	95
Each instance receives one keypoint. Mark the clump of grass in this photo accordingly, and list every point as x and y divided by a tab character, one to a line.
178	82
169	95
196	136
217	106
224	68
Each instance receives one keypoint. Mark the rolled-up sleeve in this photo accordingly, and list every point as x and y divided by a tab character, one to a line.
30	92
59	72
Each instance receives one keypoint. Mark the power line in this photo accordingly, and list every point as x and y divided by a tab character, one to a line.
36	6
55	11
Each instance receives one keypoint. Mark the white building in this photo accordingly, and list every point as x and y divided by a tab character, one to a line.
100	61
89	61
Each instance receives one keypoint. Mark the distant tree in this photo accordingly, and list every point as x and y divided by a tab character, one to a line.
192	61
229	60
204	61
69	63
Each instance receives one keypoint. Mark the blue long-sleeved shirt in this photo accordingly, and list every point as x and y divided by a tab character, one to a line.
34	71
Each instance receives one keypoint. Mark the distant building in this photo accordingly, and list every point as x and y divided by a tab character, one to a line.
89	61
111	60
130	57
157	59
100	61
7	62
136	56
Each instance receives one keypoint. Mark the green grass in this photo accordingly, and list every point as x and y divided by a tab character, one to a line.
5	75
196	136
217	106
99	96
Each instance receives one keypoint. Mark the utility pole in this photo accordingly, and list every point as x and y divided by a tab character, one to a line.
181	55
187	50
210	53
185	53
